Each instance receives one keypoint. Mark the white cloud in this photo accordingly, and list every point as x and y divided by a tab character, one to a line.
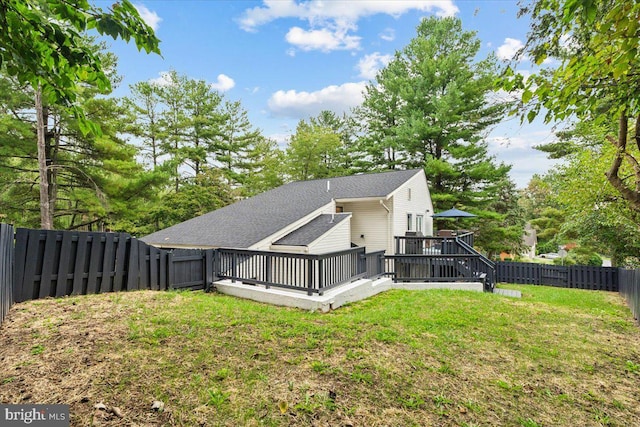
223	84
151	18
301	105
370	64
389	35
508	50
331	21
324	39
315	11
282	139
163	80
513	144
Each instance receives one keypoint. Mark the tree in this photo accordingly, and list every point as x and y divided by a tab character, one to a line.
204	193
501	225
235	145
145	105
594	79
43	43
266	172
313	152
430	108
95	181
595	214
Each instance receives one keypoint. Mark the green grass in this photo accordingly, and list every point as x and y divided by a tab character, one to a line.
560	357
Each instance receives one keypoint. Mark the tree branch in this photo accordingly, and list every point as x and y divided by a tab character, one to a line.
612	174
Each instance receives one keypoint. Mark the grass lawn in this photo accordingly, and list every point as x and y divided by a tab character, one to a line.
556	357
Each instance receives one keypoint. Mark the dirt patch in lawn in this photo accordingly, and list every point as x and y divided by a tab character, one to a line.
57	351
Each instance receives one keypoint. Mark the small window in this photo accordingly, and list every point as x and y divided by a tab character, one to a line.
339	209
419	221
409	222
409	194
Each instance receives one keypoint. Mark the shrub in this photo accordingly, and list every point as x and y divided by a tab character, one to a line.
545	247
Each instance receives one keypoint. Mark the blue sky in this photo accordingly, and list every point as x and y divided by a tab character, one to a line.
287	60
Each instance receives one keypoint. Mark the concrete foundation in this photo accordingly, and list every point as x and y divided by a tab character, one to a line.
333	298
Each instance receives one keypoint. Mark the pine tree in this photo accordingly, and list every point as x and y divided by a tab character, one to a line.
429	108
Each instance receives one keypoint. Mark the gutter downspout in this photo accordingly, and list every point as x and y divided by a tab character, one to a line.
389	237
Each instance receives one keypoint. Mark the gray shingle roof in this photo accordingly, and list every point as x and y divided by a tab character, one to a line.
245	223
312	230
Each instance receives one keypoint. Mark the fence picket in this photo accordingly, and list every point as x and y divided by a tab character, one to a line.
29	290
63	265
7	272
121	254
79	287
107	262
95	260
22	235
133	275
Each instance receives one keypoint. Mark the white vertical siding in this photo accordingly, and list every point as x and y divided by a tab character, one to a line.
418	204
369	219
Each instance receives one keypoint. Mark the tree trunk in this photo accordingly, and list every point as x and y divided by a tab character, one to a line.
633	197
46	216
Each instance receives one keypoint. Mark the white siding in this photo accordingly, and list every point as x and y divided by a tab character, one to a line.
336	239
369	219
419	203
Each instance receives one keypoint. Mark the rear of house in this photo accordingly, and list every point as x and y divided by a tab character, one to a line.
315	217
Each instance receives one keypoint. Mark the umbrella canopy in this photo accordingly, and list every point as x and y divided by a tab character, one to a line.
453	213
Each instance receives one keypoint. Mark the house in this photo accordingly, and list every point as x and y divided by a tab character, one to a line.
315	217
530	241
529	244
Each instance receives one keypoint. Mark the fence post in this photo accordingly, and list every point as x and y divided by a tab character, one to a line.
209	268
170	271
234	264
310	277
268	260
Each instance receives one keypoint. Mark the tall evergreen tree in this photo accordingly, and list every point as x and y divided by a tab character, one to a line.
145	105
94	180
236	141
266	172
430	108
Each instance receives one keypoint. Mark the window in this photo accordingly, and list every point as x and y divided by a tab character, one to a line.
419	220
409	194
339	209
409	222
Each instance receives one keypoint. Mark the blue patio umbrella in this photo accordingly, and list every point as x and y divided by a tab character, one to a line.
453	213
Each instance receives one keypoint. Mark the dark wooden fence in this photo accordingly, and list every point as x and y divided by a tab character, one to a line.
6	269
573	276
59	263
629	281
38	264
